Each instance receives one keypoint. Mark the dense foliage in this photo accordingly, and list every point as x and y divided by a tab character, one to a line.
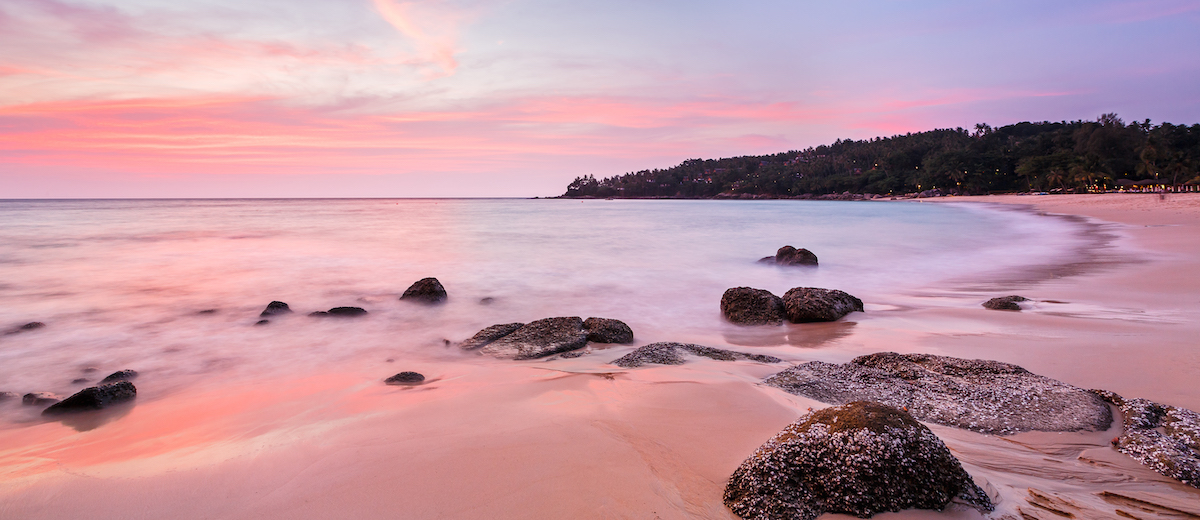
1064	156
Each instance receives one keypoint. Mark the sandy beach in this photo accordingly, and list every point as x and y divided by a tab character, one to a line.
570	440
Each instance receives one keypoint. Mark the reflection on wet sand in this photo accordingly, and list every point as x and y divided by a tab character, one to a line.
803	335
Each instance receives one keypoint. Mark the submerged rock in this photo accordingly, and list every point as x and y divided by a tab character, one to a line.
1005	303
274	309
858	459
489	335
5	396
94	398
261	322
540	338
405	378
750	306
668	353
788	255
808	304
425	290
605	330
340	312
40	398
120	375
1165	438
983	396
33	325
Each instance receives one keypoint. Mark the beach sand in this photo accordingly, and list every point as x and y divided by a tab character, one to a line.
534	440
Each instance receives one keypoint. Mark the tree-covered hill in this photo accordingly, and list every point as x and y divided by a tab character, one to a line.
1066	156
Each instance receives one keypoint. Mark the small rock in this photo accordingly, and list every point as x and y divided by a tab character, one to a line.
1165	438
40	398
859	459
340	312
5	396
274	309
668	353
262	322
425	290
33	325
605	330
788	255
1005	303
88	370
809	304
749	306
94	398
207	311
541	338
79	380
405	378
489	335
487	300
120	375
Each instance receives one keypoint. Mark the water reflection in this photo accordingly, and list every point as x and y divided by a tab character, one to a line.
803	335
90	420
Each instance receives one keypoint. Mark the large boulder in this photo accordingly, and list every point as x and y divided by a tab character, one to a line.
275	308
605	330
668	353
541	338
788	255
1005	303
94	398
489	335
1165	438
750	306
983	396
859	459
425	290
808	304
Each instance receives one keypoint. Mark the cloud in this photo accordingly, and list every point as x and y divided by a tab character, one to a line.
431	25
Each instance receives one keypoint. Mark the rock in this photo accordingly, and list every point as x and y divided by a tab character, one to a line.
605	330
788	255
40	398
79	380
809	304
5	396
487	300
425	290
859	459
749	306
120	375
1005	303
33	325
340	312
983	396
668	353
207	311
540	338
405	378
275	309
489	335
1165	438
262	322
94	398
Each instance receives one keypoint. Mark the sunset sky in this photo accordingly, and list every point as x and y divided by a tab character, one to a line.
386	98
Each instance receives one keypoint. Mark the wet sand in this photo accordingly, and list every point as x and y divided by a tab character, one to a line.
583	439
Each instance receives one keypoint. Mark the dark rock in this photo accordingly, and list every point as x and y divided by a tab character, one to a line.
1165	438
318	314
33	325
5	396
275	309
788	255
668	353
605	330
487	300
540	338
262	322
983	396
808	304
489	335
749	306
94	398
859	459
40	398
79	380
766	260
405	378
207	311
1005	303
88	370
120	375
425	290
340	312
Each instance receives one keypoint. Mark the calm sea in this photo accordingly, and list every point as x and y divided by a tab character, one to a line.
122	283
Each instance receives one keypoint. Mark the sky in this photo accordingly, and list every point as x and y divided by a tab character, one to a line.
515	98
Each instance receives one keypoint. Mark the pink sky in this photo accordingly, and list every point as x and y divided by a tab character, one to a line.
385	98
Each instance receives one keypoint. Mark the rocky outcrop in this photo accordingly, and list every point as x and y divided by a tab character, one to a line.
405	378
541	338
94	398
489	335
340	312
859	459
788	255
275	308
1165	438
668	353
1005	303
40	398
750	306
425	290
605	330
809	304
120	375
983	396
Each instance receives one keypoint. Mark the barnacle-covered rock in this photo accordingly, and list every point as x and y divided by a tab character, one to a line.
1165	438
668	353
